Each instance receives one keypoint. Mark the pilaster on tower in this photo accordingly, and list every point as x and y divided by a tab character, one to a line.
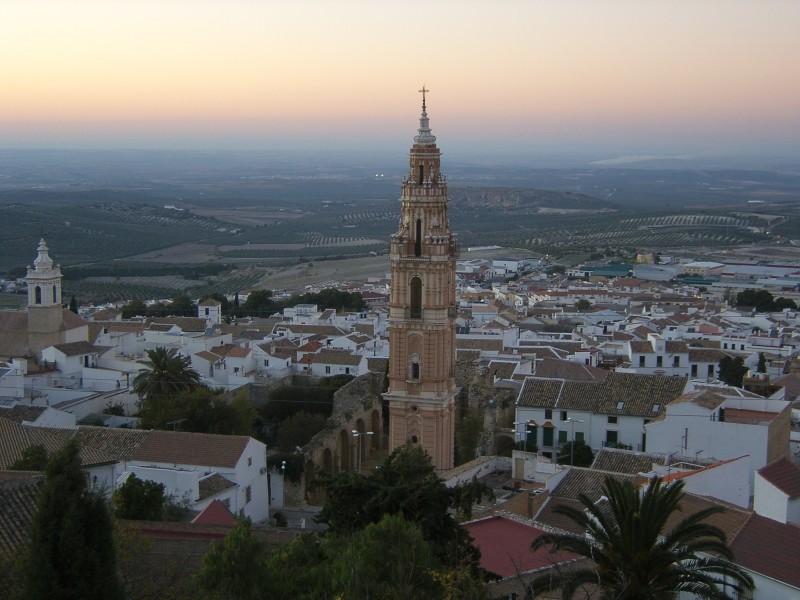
422	307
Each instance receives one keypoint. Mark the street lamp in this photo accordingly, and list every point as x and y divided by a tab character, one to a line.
283	484
572	422
357	435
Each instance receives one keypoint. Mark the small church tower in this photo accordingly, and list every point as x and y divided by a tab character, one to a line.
422	308
45	312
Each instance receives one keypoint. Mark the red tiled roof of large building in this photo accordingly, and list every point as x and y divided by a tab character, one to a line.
505	547
769	548
784	475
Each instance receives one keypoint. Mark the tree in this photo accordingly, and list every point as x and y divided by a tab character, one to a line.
407	576
468	435
762	363
134	308
579	456
636	554
139	500
583	305
732	370
406	484
761	300
200	410
298	429
71	550
167	374
182	305
33	458
73	305
259	304
233	569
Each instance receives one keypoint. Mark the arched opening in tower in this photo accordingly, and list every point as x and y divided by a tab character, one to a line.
38	295
418	238
416	298
421	174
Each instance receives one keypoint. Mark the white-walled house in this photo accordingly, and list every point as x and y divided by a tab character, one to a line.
328	362
239	459
600	413
715	424
777	491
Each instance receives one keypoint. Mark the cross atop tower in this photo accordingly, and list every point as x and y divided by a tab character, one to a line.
423	91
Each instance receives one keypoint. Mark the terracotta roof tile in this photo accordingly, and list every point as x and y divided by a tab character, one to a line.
505	546
183	448
769	548
625	461
18	506
784	475
213	484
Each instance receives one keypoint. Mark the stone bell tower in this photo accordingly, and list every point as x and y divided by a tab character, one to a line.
45	312
422	308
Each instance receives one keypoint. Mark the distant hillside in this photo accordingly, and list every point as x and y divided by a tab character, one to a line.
523	200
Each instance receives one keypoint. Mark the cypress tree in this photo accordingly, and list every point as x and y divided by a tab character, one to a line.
71	552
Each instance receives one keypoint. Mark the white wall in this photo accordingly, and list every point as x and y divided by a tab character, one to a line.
769	501
729	482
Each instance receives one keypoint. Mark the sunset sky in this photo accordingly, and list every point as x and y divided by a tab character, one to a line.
622	76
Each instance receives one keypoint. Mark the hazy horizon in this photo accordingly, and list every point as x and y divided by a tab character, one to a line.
606	79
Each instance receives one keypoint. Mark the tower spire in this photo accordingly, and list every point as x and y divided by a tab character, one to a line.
424	136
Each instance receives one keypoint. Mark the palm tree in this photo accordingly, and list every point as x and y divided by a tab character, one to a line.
168	374
635	557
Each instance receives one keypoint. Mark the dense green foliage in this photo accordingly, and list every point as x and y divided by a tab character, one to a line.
298	429
406	484
287	400
635	555
732	370
34	458
579	456
199	410
763	301
468	434
402	512
138	499
71	550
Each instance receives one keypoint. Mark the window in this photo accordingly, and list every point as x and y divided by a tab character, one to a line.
562	437
694	370
248	494
659	361
547	438
38	295
612	437
347	370
612	420
641	361
249	461
266	362
620	405
328	369
418	235
414	439
563	415
548	414
656	407
710	371
415	288
579	437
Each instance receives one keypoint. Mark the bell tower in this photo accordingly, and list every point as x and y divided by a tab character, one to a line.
45	313
422	308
